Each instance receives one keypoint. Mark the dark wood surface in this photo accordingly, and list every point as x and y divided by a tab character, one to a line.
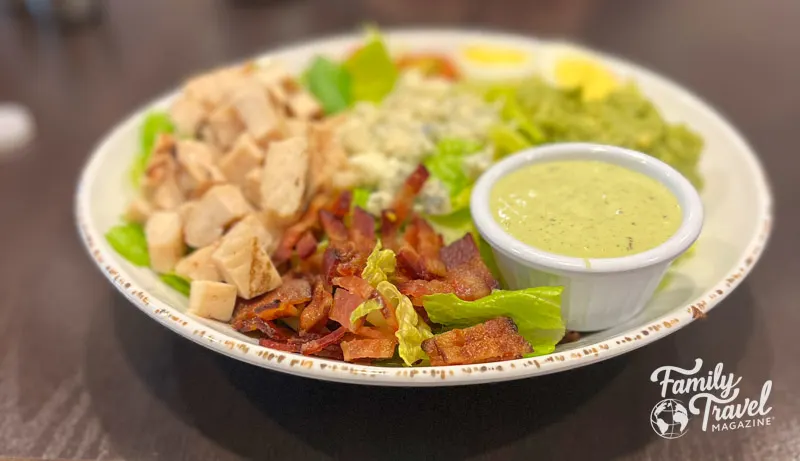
85	375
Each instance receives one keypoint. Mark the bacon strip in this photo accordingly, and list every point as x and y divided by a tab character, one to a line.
334	227
281	346
491	341
389	229
408	192
307	245
317	345
292	235
344	303
368	349
316	313
269	328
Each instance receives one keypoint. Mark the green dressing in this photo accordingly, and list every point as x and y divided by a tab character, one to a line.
585	209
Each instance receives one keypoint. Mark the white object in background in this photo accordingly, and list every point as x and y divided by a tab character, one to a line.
599	293
16	128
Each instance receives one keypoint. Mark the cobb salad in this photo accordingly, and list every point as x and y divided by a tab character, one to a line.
327	213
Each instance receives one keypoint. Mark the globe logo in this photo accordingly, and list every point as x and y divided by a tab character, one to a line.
669	418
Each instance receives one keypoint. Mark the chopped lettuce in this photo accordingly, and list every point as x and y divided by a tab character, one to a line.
129	241
535	311
365	308
360	197
446	165
177	282
330	83
154	124
380	264
372	70
507	140
412	330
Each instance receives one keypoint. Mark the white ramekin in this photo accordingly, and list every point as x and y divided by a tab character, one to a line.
607	291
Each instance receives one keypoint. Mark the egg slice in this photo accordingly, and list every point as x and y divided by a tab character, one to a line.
593	78
495	60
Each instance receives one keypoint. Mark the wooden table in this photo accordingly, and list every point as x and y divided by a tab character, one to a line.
85	375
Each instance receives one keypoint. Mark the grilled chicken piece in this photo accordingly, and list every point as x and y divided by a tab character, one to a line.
283	181
138	211
187	114
327	158
224	126
164	240
199	172
214	300
244	157
303	106
256	111
199	265
491	341
252	186
243	261
220	206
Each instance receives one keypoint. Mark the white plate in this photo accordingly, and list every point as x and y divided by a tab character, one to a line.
736	198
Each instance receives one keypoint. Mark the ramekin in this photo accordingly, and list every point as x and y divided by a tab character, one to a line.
606	291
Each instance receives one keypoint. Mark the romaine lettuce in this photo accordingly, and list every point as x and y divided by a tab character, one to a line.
177	282
154	124
372	70
130	242
330	83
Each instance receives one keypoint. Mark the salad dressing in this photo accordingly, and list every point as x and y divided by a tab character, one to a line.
585	209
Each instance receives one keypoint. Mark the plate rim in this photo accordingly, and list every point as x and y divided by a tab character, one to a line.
330	370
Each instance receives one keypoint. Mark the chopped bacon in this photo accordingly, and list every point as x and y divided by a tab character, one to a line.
355	285
276	310
362	228
460	251
333	226
316	313
281	346
374	333
344	303
491	341
355	349
307	245
269	328
408	192
341	206
334	351
295	232
416	289
317	345
390	227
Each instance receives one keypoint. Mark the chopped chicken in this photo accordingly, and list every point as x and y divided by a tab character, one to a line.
274	74
242	159
296	127
187	114
243	262
260	118
199	266
168	195
252	186
197	161
185	208
220	206
213	88
252	225
283	181
303	106
164	240
138	211
491	341
225	126
160	166
327	158
213	300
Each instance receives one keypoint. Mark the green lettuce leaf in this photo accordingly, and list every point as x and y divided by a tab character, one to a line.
130	242
372	70
370	305
446	165
177	282
536	312
380	264
507	140
360	197
155	123
330	83
412	329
